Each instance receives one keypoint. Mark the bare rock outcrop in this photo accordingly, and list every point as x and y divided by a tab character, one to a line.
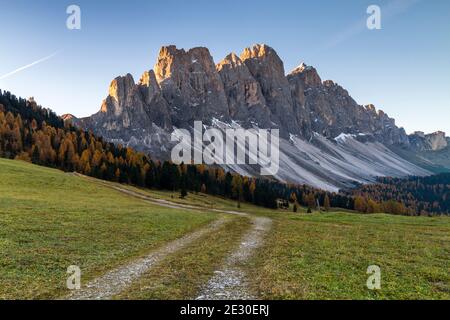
267	68
156	107
327	139
328	109
191	85
251	90
246	102
133	106
429	142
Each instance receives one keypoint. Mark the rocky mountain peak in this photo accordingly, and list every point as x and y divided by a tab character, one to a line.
119	94
263	56
165	61
268	70
145	79
232	60
171	59
308	75
245	100
191	84
303	67
329	83
434	141
252	89
371	108
259	51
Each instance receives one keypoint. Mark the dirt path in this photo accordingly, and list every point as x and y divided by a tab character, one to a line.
230	281
115	281
156	201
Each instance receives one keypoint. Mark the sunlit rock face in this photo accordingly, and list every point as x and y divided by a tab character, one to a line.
156	107
434	141
246	103
267	68
251	90
191	85
327	108
123	106
328	140
134	106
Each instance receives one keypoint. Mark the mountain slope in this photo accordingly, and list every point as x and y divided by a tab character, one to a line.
253	91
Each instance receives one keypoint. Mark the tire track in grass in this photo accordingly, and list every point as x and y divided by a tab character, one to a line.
230	281
117	280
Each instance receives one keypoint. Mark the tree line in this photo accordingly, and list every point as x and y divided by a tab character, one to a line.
412	196
31	133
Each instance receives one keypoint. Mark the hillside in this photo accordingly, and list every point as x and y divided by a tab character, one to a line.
327	140
26	135
28	132
422	195
50	220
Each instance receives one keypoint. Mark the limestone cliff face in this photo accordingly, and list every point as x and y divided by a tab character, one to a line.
300	80
191	85
123	106
429	142
268	69
251	90
133	106
156	107
328	109
246	103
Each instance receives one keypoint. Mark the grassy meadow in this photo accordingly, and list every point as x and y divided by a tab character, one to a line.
326	256
50	220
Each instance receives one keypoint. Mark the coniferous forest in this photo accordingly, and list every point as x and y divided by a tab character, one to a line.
412	195
31	133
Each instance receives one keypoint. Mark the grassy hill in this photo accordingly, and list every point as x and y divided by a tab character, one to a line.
326	256
50	220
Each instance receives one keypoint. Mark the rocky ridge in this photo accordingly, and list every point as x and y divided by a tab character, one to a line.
434	141
250	91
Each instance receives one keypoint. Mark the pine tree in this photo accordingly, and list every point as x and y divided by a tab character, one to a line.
293	198
183	191
237	189
360	204
35	157
117	175
326	202
311	201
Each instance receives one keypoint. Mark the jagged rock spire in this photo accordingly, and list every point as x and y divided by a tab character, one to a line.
251	89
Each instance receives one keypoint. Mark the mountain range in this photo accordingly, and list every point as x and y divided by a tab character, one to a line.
327	140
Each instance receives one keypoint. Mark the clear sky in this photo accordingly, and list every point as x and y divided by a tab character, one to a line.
404	68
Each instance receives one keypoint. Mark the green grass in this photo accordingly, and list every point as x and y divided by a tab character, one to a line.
182	275
325	256
204	201
50	220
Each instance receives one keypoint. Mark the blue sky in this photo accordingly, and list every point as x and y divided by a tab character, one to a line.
404	68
